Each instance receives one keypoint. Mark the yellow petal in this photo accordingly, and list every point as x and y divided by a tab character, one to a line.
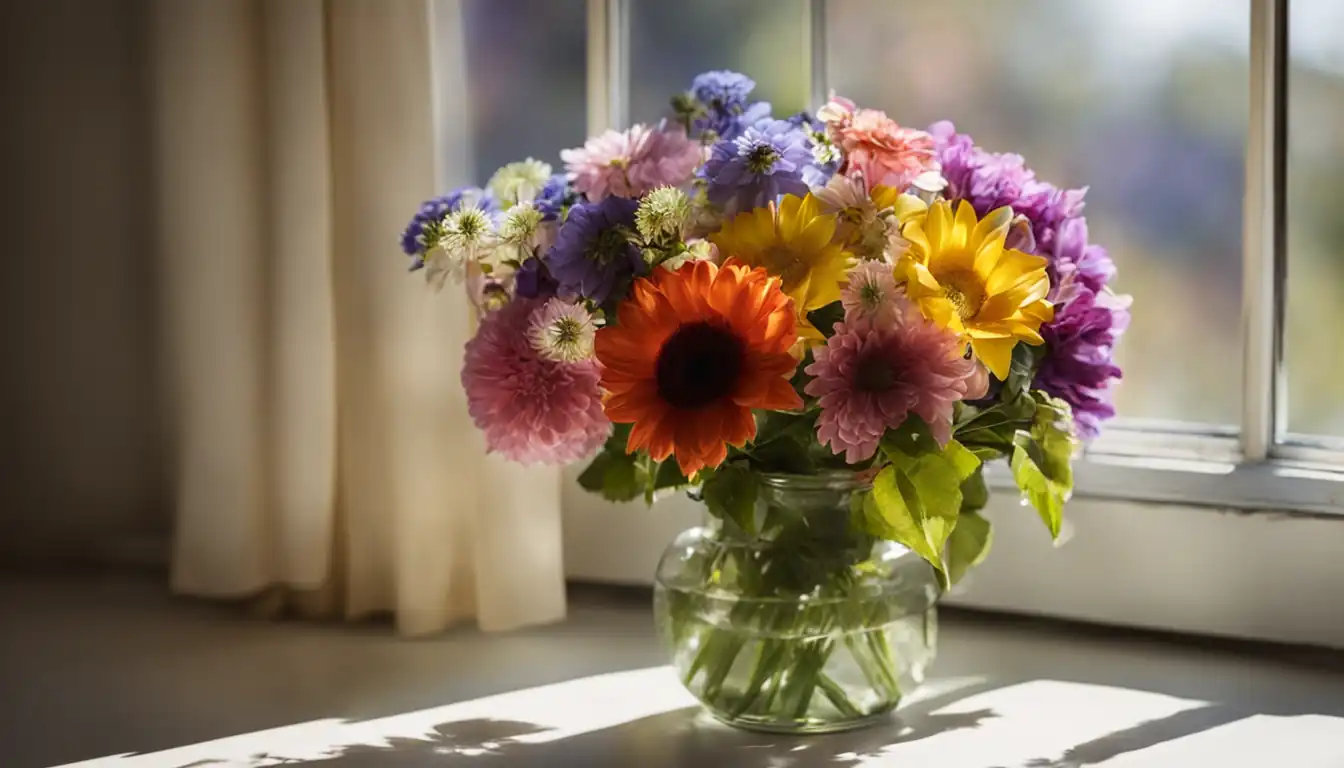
987	258
914	232
943	313
814	236
921	282
1010	268
993	227
1040	311
996	354
937	228
963	227
909	208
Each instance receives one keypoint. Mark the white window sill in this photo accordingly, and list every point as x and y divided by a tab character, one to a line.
195	685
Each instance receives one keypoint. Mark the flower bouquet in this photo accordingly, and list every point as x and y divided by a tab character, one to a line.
823	327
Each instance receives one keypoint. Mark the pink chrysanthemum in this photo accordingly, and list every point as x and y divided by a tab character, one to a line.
869	294
869	379
876	148
634	162
532	410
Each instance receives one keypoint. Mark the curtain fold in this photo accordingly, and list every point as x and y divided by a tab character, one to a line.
323	447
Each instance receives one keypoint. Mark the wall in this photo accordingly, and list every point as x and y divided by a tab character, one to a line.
80	433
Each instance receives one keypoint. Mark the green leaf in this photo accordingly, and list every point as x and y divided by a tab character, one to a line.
613	473
989	432
662	475
614	476
974	493
1022	370
916	500
1042	459
825	318
912	438
730	494
968	545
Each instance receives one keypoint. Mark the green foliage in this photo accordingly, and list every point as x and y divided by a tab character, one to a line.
917	498
968	545
989	432
974	492
1022	371
913	437
825	318
1041	460
620	476
730	494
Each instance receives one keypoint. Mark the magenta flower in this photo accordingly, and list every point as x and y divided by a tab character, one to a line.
869	379
532	410
634	162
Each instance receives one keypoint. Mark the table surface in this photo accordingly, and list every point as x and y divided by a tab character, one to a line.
116	674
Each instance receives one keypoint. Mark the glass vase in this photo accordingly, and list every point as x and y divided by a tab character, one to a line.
795	621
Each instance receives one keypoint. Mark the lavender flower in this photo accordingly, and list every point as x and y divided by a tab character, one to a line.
990	180
1079	365
555	196
592	255
766	161
722	108
825	155
533	280
433	212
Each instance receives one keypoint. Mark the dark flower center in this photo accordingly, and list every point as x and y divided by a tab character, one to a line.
761	158
699	364
874	374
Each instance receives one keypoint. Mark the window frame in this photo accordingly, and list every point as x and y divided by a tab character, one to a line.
1214	487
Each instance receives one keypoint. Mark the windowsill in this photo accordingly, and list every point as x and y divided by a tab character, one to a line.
117	668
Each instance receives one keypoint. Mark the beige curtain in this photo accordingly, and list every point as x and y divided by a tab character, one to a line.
324	456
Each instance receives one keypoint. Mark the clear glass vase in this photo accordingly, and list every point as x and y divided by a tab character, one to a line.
803	625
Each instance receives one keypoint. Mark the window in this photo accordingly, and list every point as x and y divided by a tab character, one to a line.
1313	353
1207	130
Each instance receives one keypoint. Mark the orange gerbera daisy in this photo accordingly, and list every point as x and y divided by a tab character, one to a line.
693	352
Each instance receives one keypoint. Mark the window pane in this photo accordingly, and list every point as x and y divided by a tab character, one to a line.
1314	314
527	81
672	42
1143	101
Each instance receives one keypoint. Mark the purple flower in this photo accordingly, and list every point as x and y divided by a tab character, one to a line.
990	180
533	280
432	212
1079	365
555	195
766	161
592	256
1076	261
722	97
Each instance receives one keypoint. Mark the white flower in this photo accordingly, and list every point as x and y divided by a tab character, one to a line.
520	224
466	235
662	214
563	332
519	182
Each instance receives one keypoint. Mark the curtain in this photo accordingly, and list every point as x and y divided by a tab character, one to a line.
323	455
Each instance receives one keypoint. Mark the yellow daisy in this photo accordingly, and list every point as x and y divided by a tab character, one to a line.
794	241
962	277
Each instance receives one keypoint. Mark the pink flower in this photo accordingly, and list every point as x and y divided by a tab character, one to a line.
532	410
869	379
869	294
634	162
880	151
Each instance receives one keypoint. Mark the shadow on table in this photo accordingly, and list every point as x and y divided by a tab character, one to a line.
683	737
